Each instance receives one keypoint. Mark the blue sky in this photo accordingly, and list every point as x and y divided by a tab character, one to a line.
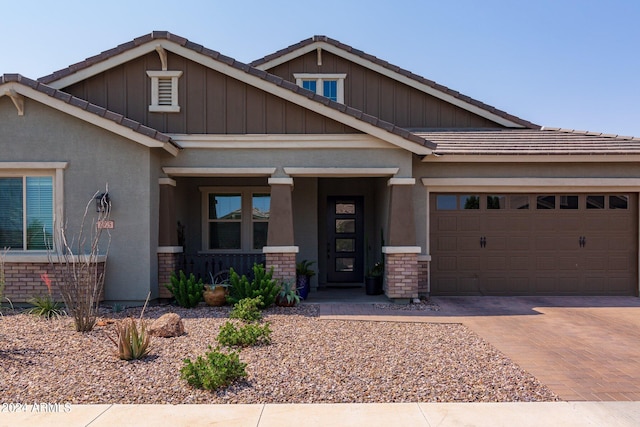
562	63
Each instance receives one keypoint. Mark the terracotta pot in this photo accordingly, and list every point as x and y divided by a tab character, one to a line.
215	297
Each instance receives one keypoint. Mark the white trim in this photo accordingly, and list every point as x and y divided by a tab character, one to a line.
155	76
531	184
229	172
170	249
33	165
281	181
531	158
320	78
91	118
54	258
393	75
401	249
280	249
401	181
249	79
283	141
167	181
424	258
341	172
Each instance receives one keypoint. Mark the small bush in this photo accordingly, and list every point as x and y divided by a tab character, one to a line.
186	291
45	306
216	369
245	336
262	284
132	343
247	309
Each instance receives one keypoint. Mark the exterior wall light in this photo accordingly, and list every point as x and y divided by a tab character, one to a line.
103	203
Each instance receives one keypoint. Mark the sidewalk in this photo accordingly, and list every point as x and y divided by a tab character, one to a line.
310	415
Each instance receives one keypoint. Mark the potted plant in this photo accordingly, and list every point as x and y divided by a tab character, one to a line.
287	296
373	279
215	293
304	273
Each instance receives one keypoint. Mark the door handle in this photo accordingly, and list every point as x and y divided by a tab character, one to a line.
483	242
582	241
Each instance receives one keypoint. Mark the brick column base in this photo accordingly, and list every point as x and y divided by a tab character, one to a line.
167	263
401	276
284	266
423	277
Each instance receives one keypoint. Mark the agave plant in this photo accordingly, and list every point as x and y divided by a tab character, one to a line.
132	341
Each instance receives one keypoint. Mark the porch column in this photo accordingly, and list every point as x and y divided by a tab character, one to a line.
280	252
169	253
401	252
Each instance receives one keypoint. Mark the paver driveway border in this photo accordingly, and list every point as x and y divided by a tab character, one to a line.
582	348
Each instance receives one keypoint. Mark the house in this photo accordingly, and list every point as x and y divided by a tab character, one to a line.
318	151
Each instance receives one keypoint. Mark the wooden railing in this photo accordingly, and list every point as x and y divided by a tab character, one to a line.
203	264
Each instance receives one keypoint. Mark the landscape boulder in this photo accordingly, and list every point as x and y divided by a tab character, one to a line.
167	325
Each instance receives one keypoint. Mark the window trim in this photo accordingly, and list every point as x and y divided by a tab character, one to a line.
155	106
246	223
320	78
53	169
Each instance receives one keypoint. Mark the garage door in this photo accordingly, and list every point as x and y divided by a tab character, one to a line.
534	244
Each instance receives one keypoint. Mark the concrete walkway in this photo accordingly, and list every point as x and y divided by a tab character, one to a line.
583	348
335	415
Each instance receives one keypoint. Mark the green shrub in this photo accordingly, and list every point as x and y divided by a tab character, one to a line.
245	336
186	291
132	343
45	306
216	369
247	309
262	284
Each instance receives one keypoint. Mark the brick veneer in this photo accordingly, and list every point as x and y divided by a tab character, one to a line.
423	278
284	265
401	275
167	263
23	280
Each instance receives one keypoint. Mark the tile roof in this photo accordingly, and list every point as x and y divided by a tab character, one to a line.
396	69
85	105
528	141
278	81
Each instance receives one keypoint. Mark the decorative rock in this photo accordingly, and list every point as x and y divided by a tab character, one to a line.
167	325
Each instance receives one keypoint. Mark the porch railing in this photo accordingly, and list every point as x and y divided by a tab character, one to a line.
203	264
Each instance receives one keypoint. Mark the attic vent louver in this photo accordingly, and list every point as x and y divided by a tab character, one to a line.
164	91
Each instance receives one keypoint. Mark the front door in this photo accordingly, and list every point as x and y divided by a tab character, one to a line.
345	233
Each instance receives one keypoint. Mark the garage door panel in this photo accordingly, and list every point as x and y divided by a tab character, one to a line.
554	251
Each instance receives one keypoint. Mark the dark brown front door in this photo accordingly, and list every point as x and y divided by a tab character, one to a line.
345	232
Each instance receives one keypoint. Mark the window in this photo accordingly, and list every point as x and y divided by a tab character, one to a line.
496	202
328	85
164	91
235	219
26	212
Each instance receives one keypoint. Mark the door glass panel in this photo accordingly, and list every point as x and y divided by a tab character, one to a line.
469	202
345	208
595	202
568	202
345	264
519	202
618	202
546	202
345	245
496	202
345	225
446	202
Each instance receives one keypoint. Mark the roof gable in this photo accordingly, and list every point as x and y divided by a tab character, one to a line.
15	86
394	72
244	73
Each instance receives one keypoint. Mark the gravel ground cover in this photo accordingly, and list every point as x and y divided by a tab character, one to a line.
309	361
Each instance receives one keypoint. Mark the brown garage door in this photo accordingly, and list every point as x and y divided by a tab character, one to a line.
534	244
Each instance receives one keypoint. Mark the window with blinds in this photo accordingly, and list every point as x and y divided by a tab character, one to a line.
26	212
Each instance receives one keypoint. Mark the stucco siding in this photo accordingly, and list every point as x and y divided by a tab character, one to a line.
95	157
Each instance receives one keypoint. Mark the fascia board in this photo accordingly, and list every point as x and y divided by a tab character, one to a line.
530	184
532	158
91	118
391	74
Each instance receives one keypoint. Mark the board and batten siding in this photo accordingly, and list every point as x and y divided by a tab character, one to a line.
210	102
383	97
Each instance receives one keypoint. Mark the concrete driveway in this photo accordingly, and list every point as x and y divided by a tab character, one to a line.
583	348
